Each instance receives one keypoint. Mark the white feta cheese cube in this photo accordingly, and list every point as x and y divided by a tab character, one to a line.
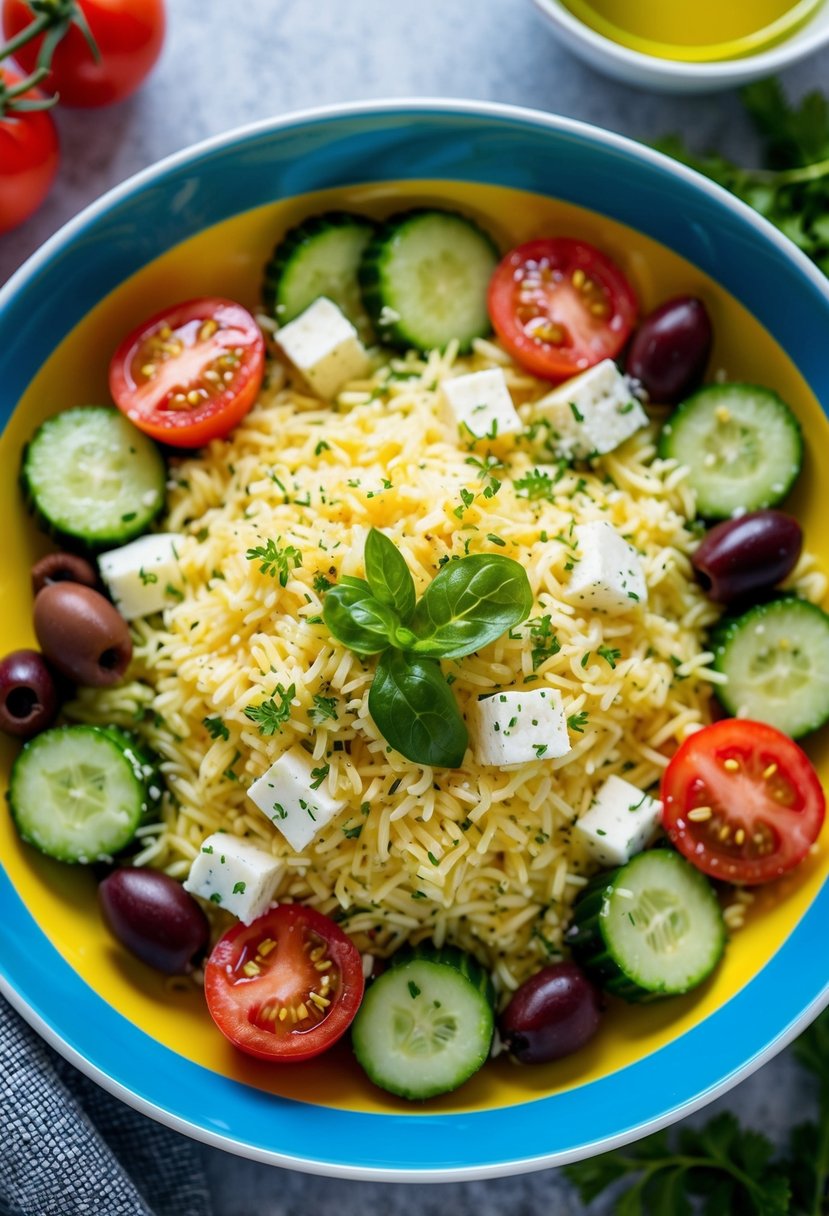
143	576
592	413
608	574
620	822
291	796
234	874
324	347
481	402
514	727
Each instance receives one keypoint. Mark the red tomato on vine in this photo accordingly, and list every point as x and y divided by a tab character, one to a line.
128	34
28	154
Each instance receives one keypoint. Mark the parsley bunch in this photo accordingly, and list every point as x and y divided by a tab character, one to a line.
723	1169
793	190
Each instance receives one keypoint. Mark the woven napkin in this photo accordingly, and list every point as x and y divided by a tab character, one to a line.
68	1149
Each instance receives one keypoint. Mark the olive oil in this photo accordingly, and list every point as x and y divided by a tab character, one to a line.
695	30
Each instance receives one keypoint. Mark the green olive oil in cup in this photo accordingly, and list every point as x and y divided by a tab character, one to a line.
695	31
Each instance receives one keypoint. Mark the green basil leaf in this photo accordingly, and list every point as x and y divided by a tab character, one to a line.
357	619
388	575
470	603
415	711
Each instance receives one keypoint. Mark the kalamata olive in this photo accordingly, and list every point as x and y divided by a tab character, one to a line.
670	349
555	1012
82	634
63	568
154	917
743	556
28	697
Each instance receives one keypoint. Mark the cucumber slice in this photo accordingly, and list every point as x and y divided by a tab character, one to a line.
91	477
145	764
424	278
320	257
742	445
650	929
75	795
426	1025
776	660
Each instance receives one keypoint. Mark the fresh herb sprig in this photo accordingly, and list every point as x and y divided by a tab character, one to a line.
271	715
793	191
276	562
470	603
731	1170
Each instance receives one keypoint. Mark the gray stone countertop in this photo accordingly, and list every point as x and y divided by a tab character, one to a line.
226	64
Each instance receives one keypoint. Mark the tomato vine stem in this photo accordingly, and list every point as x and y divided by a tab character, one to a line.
53	19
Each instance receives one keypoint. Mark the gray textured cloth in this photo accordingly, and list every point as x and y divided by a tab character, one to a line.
69	1149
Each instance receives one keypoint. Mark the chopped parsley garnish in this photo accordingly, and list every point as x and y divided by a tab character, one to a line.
216	728
324	708
272	714
353	833
275	561
467	499
545	642
414	991
174	592
496	540
609	655
537	485
319	775
322	584
577	414
147	577
239	888
229	774
577	722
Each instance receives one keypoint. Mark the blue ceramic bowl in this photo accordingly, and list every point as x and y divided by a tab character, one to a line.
203	222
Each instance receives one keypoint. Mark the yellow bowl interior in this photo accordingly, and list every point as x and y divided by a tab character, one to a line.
227	260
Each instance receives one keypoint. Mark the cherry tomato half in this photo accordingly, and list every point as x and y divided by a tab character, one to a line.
559	306
128	34
742	802
28	158
286	987
190	373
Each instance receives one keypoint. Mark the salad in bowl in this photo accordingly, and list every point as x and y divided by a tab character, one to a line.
426	660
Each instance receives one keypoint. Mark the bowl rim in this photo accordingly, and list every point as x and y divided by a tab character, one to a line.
720	72
391	106
386	108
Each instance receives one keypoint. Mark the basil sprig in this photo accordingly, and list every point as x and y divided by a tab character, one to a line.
470	603
388	575
413	707
357	618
